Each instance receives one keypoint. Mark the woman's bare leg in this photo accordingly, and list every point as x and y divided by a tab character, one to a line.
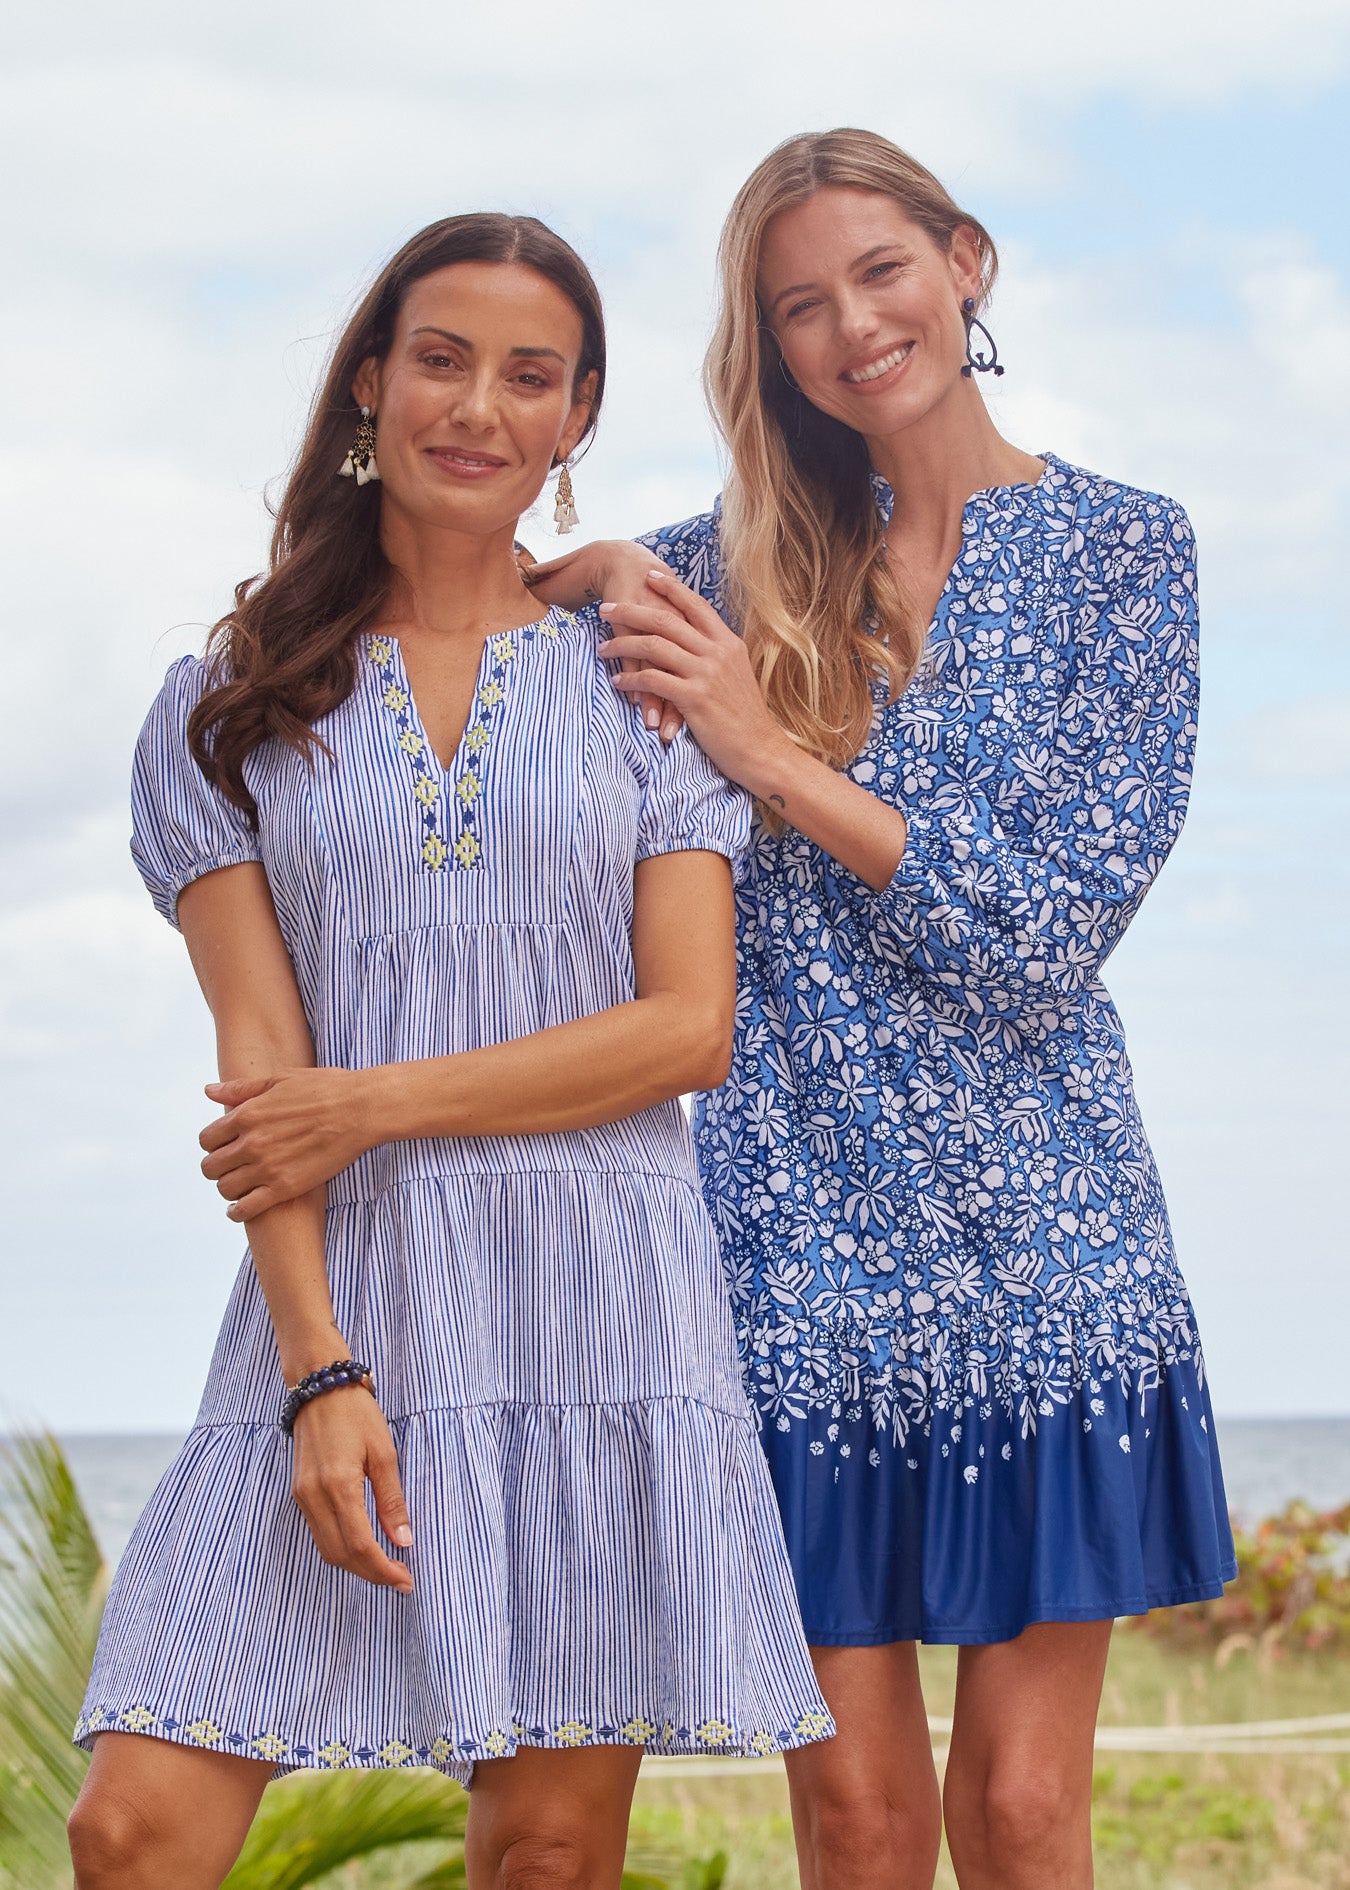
546	1820
865	1805
155	1816
1018	1791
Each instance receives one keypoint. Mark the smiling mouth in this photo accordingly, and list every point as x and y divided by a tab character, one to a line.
459	462
859	377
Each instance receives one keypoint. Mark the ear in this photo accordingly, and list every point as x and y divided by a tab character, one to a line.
366	386
577	420
963	260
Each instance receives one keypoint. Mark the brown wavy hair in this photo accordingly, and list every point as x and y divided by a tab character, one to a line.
806	573
285	656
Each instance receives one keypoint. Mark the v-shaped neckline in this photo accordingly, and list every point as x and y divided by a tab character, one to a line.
449	796
448	769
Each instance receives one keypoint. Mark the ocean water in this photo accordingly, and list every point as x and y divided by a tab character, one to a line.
1267	1463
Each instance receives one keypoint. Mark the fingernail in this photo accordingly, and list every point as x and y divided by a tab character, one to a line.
604	610
653	575
403	1536
652	718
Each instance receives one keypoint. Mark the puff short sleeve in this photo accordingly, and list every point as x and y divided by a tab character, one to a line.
687	805
181	826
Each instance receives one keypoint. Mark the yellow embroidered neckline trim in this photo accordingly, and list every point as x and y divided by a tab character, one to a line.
450	799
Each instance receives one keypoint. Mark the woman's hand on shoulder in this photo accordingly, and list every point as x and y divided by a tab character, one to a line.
673	644
281	1136
614	569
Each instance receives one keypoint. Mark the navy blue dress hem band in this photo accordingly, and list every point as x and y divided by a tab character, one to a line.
990	1637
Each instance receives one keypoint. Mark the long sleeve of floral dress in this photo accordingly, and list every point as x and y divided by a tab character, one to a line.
1016	885
1042	759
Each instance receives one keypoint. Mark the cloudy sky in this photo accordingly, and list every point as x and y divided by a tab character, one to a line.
191	198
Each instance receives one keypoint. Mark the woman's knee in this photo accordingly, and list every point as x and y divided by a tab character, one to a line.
1014	1813
111	1841
1030	1810
545	1861
859	1824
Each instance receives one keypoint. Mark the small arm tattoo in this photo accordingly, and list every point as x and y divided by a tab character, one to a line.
776	800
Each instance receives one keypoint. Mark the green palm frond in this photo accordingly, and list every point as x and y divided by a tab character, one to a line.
311	1823
696	1873
447	1876
52	1581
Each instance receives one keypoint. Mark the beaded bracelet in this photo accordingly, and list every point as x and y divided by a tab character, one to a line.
345	1371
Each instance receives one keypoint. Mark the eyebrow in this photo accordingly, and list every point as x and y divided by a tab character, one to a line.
461	341
858	262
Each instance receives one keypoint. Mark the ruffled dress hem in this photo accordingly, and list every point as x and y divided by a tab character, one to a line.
588	1574
712	1737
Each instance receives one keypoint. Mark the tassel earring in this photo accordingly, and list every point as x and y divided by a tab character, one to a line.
360	461
565	511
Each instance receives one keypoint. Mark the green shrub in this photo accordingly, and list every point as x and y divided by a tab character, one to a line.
1292	1588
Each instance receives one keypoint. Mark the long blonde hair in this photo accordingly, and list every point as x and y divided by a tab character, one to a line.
804	560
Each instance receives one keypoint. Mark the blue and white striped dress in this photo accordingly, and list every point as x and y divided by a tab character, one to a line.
597	1552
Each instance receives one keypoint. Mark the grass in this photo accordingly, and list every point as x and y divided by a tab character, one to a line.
1162	1821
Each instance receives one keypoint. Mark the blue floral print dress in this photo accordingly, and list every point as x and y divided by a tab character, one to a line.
597	1554
980	1384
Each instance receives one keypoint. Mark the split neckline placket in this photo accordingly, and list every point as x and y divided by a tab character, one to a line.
1004	498
450	799
977	509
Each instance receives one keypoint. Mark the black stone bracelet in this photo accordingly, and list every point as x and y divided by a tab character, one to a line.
346	1371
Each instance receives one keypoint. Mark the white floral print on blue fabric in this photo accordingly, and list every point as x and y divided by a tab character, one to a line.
929	1176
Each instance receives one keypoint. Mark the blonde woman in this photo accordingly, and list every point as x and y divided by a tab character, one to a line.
963	695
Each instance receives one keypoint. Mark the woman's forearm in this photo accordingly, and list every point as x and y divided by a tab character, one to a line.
574	1076
287	1246
589	573
855	827
283	1134
287	1242
247	978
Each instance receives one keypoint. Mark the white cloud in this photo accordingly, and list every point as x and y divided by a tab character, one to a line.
1234	413
201	190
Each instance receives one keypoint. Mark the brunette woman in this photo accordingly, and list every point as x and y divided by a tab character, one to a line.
466	931
963	696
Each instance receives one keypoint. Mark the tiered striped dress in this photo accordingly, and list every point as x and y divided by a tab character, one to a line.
597	1552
